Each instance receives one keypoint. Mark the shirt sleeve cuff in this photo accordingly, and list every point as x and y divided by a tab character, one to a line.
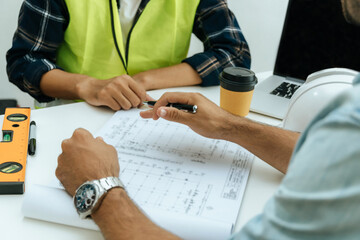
32	78
207	66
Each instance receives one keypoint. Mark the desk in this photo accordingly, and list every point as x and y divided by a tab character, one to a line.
57	123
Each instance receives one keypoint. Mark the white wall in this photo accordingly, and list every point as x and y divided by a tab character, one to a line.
262	23
260	20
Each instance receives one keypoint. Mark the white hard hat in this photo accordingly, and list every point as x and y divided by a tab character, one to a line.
318	90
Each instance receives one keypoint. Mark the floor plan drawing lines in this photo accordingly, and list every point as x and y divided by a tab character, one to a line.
166	188
187	184
166	166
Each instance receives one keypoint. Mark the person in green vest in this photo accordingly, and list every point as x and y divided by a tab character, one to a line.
109	53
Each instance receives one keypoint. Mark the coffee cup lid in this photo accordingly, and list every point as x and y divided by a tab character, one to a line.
238	79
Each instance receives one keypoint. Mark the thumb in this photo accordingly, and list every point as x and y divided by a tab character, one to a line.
173	114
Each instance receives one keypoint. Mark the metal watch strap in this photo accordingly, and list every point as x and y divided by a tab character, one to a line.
110	182
107	184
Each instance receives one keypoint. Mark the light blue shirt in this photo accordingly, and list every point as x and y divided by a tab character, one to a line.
319	198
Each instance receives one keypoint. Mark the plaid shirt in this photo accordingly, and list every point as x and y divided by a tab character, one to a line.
42	25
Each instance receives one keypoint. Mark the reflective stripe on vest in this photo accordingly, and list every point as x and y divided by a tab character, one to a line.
93	42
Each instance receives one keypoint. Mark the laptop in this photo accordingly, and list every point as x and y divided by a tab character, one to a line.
315	37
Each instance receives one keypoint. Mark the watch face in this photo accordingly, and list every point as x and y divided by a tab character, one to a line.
85	197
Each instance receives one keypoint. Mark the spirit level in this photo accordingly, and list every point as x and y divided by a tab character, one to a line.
13	150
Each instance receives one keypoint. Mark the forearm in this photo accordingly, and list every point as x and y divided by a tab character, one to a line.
271	144
60	84
174	76
119	218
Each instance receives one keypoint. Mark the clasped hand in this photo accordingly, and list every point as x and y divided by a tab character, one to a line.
121	92
85	158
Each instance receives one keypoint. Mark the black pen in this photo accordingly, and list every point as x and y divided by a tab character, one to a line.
32	138
183	107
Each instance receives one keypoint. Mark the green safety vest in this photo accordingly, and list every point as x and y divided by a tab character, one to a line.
93	42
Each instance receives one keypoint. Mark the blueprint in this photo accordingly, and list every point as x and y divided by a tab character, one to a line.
168	167
178	178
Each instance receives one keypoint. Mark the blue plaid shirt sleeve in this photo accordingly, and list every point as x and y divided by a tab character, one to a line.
40	32
42	25
224	44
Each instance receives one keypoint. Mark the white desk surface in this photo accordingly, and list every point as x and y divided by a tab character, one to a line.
58	123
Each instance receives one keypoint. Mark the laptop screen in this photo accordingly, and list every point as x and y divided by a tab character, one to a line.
316	36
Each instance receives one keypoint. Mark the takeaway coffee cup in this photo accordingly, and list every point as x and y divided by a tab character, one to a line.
236	90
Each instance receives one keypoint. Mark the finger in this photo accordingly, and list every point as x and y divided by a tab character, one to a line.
175	97
149	98
82	133
131	96
110	102
105	98
123	102
64	144
147	113
100	139
58	173
137	89
124	85
59	159
170	97
174	115
58	170
116	94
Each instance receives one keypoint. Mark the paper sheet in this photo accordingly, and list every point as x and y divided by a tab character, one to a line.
55	205
178	178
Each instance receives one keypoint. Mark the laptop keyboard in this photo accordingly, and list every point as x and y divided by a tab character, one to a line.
285	90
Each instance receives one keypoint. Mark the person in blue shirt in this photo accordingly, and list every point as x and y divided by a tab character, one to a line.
318	198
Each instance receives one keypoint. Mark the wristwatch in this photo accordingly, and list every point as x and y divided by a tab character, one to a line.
89	195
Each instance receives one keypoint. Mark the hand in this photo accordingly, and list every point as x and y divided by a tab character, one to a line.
121	92
85	158
209	121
